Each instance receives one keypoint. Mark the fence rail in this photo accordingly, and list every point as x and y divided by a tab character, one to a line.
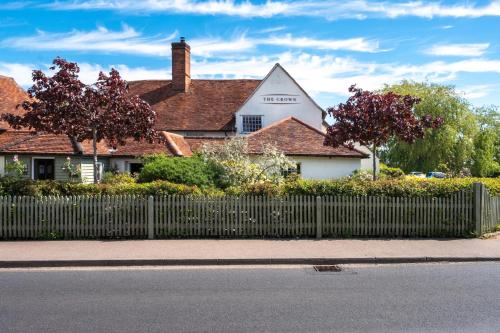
460	214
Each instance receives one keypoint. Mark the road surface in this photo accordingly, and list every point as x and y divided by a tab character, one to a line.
390	298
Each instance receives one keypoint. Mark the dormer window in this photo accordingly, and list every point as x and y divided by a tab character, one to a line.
251	124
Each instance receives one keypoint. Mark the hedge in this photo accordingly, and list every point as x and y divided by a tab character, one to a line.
42	188
414	187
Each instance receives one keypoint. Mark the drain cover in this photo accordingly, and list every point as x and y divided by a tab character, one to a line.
327	268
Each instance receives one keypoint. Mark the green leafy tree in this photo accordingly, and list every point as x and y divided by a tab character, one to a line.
452	144
485	160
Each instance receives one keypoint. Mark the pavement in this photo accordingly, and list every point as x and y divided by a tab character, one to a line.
457	297
237	252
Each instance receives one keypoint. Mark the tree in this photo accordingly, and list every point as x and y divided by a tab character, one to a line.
452	145
372	119
237	167
485	159
62	104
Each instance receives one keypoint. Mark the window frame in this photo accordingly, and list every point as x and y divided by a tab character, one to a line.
247	116
33	158
297	170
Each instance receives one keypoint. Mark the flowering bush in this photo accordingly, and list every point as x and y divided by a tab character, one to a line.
238	168
74	172
16	168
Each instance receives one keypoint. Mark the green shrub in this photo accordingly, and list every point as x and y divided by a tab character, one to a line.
260	188
44	188
388	172
180	170
117	178
389	187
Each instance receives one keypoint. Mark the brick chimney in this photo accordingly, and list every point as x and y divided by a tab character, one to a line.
181	65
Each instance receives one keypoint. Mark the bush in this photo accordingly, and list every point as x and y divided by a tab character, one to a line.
260	188
388	172
44	188
180	170
416	187
117	178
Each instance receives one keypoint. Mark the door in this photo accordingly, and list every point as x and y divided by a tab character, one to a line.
43	169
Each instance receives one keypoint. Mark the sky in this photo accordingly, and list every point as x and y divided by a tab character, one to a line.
325	45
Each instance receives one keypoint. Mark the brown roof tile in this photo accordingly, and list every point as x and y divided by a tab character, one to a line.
296	138
11	95
197	142
209	105
26	142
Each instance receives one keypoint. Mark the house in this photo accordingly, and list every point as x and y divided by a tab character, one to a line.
190	113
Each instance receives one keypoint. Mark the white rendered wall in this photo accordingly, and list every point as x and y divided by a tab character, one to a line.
267	102
325	167
367	163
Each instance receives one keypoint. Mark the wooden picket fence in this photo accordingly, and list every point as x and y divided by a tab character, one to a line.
127	216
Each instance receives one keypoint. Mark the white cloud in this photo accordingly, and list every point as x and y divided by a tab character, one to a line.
477	91
358	9
272	29
128	40
20	72
461	50
351	44
317	74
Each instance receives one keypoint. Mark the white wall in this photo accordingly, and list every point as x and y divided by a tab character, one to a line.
325	167
2	165
277	85
367	163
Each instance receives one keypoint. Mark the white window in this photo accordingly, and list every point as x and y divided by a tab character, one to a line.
251	124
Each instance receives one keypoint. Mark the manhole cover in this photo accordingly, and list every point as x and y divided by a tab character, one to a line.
327	268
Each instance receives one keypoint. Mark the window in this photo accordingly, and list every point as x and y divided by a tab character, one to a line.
289	171
43	169
251	124
135	168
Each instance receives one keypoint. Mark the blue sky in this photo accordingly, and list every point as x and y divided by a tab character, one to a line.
325	45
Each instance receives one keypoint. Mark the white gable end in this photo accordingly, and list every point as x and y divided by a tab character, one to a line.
277	97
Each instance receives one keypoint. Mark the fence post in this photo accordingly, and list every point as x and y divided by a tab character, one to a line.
151	230
478	192
319	218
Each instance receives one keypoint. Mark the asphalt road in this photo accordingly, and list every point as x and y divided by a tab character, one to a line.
395	298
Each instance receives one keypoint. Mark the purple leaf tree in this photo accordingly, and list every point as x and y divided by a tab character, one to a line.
62	104
371	119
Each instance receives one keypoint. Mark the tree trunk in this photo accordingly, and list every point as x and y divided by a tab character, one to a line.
94	147
374	160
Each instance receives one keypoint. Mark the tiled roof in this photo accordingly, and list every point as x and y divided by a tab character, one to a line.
11	95
172	145
209	105
296	138
26	142
197	142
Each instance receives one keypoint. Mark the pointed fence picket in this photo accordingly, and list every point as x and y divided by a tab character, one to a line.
82	217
